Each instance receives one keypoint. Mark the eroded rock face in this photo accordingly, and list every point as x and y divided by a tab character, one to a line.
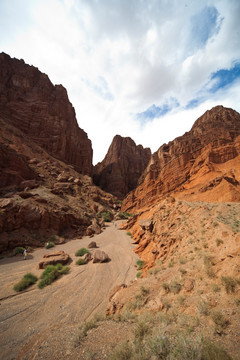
121	168
27	96
14	168
206	158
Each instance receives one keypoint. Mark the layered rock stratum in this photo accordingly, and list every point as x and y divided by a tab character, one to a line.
45	159
203	164
30	102
122	166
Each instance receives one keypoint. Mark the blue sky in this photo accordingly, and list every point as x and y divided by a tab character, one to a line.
144	69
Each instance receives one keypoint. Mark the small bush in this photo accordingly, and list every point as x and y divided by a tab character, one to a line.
159	346
175	287
129	234
215	288
49	245
81	262
208	262
19	250
81	252
171	263
106	215
123	351
83	330
140	264
51	273
166	287
65	270
166	304
203	307
53	238
183	271
124	215
219	320
229	283
211	351
141	329
28	280
182	260
139	273
181	300
219	242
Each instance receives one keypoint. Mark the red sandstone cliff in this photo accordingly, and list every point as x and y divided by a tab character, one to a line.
30	102
121	168
203	164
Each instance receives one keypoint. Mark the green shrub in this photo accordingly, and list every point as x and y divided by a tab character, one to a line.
166	287
139	273
181	300
81	262
123	351
140	264
65	270
171	263
106	215
28	280
219	320
129	234
219	241
208	262
83	330
19	250
51	273
82	252
49	244
124	215
215	288
175	287
229	283
211	351
203	307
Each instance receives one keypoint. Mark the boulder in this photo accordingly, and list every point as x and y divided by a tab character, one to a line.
94	228
100	256
53	259
87	257
92	245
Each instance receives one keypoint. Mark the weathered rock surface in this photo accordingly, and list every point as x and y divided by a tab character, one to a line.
14	168
53	259
100	256
40	195
92	245
94	228
203	164
27	96
121	168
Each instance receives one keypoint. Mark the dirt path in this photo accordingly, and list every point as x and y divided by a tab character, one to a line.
27	317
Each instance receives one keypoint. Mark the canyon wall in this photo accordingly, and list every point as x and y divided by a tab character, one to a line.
122	166
30	102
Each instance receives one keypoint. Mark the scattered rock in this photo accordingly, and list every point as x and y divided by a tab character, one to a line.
87	257
92	245
54	258
100	256
189	284
94	228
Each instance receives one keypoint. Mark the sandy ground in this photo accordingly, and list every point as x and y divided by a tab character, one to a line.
27	318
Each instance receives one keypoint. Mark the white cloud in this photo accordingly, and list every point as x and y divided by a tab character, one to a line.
118	58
